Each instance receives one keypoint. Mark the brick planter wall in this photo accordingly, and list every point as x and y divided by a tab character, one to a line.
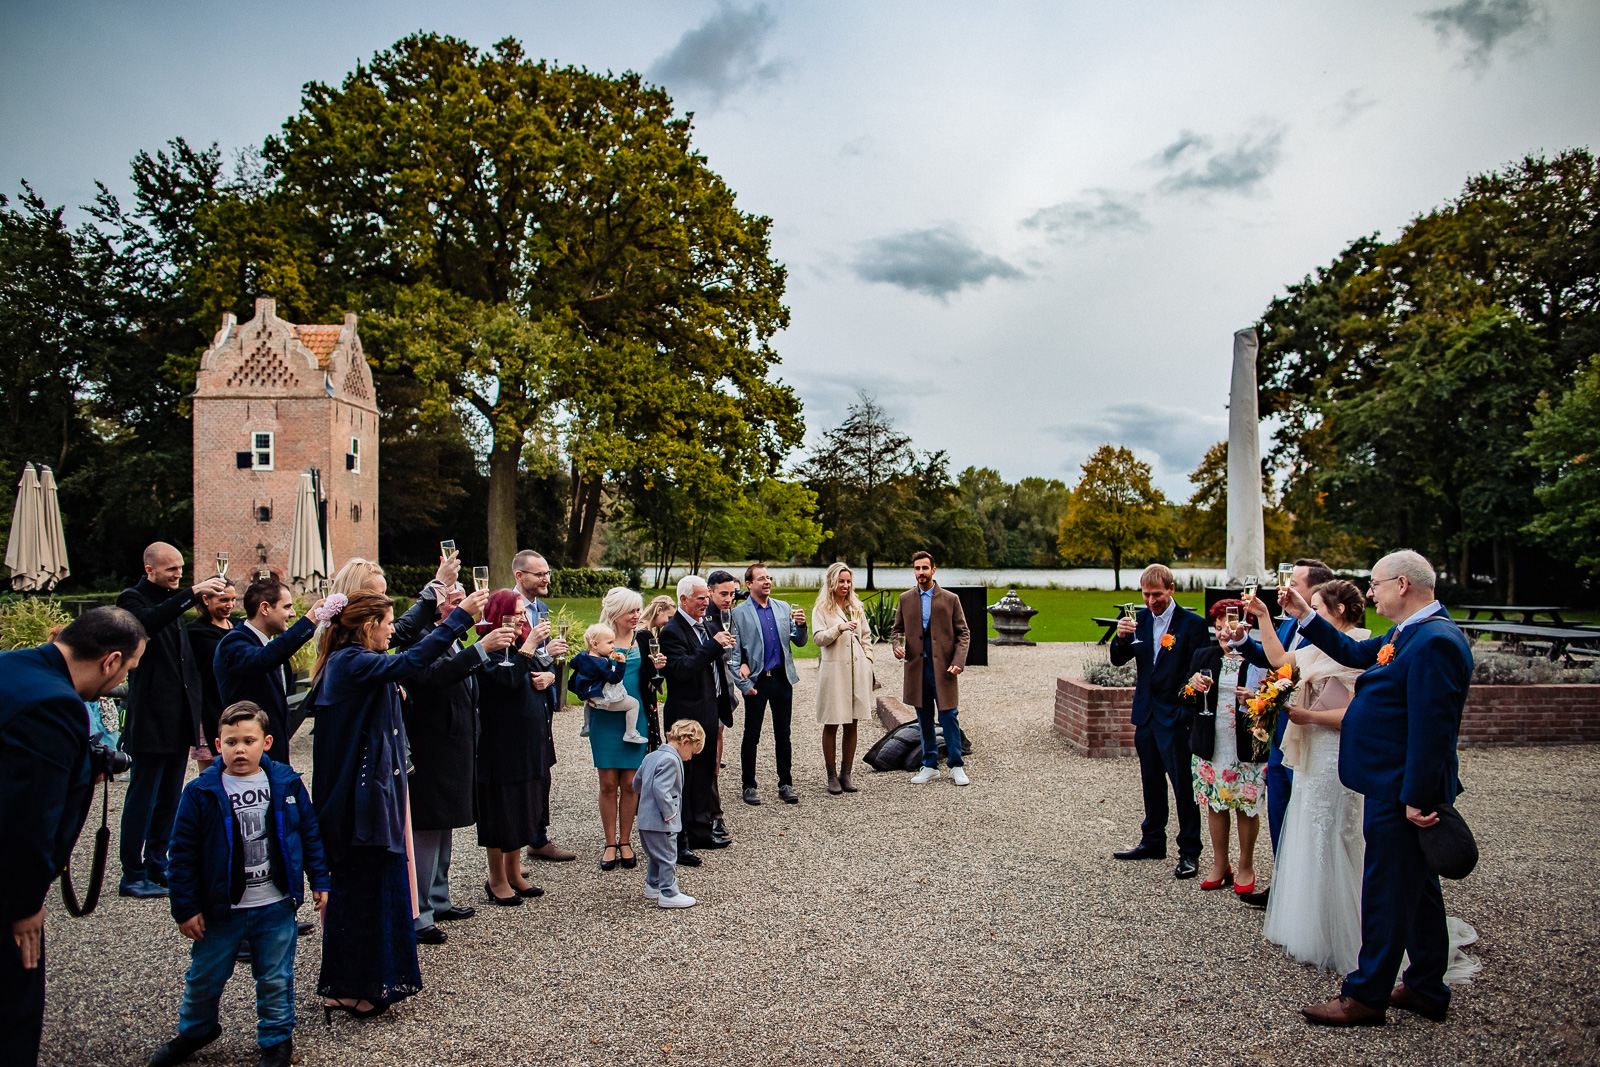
1094	718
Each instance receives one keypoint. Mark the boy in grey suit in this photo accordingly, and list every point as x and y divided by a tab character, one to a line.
659	783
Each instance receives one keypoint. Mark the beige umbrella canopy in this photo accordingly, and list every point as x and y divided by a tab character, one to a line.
52	544
25	549
306	560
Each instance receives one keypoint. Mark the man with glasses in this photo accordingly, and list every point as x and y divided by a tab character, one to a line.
532	576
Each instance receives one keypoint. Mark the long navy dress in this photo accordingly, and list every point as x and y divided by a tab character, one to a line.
369	949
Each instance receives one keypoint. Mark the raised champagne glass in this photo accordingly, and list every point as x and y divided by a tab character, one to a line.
222	564
480	578
1251	584
511	622
324	588
1285	575
1131	611
1231	616
446	550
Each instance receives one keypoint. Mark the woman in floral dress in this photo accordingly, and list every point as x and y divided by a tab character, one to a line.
1229	774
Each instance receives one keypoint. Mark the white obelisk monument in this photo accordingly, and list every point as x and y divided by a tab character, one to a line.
1247	547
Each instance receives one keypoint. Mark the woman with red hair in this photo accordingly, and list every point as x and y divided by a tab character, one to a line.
512	765
1226	776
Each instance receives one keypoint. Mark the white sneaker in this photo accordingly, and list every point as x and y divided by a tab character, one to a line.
927	774
958	775
635	738
651	893
677	900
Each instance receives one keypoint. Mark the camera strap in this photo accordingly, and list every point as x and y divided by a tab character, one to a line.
97	869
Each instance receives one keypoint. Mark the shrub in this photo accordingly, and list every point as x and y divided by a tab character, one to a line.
570	583
27	621
1101	672
1508	668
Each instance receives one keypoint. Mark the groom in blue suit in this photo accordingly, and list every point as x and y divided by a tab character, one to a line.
1162	640
1398	749
1308	574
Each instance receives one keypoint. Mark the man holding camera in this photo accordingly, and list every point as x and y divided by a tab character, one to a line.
47	776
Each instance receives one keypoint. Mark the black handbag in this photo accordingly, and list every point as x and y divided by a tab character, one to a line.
1448	845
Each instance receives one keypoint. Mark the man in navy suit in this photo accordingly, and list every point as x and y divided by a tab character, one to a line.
1308	574
1162	640
1398	749
46	786
252	662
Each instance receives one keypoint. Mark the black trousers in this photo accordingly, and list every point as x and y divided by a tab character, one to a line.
700	791
155	785
1163	757
21	1005
772	689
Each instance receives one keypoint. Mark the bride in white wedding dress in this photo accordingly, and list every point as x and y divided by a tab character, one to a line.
1314	910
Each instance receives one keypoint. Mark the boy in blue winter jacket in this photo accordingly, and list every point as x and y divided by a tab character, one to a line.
597	675
244	841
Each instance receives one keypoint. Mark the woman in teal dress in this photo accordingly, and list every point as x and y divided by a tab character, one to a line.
615	760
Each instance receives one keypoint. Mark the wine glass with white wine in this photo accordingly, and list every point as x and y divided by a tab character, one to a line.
480	578
1131	611
222	564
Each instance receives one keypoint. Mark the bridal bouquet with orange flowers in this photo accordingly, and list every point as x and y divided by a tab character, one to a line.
1268	702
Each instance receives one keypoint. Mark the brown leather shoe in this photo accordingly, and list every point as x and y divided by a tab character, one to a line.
550	853
1403	996
1342	1011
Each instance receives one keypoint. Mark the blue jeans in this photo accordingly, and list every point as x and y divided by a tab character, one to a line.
432	849
947	719
154	786
272	933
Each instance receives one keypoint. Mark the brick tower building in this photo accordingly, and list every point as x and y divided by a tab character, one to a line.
271	401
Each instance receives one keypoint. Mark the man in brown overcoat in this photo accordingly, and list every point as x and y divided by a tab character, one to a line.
934	631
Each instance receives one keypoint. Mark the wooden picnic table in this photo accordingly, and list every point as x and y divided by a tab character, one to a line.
1111	623
1530	614
1560	637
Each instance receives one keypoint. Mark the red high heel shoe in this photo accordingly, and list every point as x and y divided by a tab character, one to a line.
1226	879
1241	888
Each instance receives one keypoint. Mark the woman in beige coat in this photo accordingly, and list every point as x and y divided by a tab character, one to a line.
844	678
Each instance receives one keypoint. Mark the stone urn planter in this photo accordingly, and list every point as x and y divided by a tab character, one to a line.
1011	617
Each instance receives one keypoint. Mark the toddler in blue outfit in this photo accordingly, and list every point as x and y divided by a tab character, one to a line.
597	679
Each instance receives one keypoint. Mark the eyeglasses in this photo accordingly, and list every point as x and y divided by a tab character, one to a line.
534	574
1380	581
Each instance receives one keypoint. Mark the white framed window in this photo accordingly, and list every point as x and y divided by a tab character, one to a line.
355	455
261	451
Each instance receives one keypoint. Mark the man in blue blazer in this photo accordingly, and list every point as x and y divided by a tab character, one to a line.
1161	640
764	663
252	662
1308	574
1398	749
46	785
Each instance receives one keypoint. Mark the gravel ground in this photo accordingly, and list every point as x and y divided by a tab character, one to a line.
905	924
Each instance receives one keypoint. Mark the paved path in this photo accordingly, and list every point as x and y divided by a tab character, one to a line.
906	924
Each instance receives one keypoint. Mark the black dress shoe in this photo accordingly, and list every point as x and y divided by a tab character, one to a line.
688	859
719	828
752	797
304	929
279	1055
1186	868
431	935
180	1048
1140	852
1256	900
786	794
454	912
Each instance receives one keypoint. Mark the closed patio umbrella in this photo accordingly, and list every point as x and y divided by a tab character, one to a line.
53	545
24	548
306	560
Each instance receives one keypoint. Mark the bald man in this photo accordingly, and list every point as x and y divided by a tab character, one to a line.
164	704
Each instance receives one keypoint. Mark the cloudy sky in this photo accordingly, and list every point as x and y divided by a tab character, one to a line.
1027	228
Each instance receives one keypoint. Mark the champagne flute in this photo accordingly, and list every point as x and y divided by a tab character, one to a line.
898	642
446	550
222	564
511	622
1251	583
564	629
1131	611
480	578
324	588
1285	575
1205	672
1231	616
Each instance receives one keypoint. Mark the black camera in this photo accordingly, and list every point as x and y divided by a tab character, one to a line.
107	761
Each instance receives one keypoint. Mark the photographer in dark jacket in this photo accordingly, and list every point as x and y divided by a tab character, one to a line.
164	705
46	783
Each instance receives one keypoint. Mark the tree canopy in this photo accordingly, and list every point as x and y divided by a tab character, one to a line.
1115	511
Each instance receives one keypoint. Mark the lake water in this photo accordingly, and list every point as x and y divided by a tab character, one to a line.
1189	578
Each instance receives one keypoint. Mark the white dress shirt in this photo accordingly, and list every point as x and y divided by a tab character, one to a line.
1158	627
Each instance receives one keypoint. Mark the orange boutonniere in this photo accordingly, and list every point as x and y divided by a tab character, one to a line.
1188	691
1167	642
1386	653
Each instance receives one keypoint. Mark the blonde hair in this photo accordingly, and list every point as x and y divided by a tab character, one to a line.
355	574
593	634
827	605
654	609
617	603
688	730
1158	574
